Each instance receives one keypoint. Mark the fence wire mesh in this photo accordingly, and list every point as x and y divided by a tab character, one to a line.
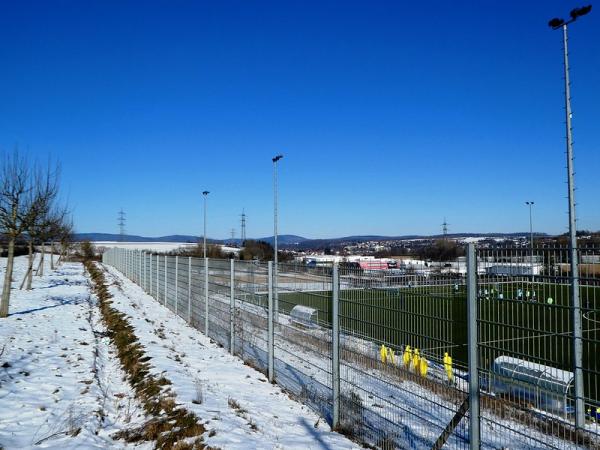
403	379
526	345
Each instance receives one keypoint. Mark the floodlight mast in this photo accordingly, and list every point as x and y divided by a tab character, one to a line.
530	204
205	194
275	249
555	24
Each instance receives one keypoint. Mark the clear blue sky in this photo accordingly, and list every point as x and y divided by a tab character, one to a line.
391	116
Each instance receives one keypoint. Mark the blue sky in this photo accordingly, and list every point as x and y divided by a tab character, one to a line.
391	116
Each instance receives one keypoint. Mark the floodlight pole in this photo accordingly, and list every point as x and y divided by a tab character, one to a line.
530	204
577	332
205	194
275	249
574	272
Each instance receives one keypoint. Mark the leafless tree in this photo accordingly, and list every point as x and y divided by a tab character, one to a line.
15	197
65	238
43	212
50	232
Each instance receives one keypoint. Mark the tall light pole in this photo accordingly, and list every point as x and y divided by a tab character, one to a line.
205	194
275	250
530	204
555	24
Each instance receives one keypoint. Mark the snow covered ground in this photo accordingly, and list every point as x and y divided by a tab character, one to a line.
60	384
148	246
242	410
155	246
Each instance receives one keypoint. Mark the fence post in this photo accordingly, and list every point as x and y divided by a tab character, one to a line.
141	261
165	293
335	347
146	271
190	290
206	296
271	341
143	270
140	268
176	282
151	278
231	302
472	347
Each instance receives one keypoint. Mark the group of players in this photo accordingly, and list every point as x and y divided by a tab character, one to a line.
413	360
527	295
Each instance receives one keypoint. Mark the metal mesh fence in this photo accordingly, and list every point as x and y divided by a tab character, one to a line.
383	355
395	332
526	345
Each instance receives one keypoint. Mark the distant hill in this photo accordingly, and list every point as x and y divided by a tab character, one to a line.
290	241
283	239
324	243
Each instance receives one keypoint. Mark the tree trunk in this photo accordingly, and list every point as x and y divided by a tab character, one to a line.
27	278
7	278
30	271
51	256
40	271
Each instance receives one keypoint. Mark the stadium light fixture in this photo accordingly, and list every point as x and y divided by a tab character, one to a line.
575	13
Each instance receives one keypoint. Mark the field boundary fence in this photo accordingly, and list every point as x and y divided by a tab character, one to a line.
477	354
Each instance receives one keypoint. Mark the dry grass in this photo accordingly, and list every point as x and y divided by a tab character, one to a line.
171	426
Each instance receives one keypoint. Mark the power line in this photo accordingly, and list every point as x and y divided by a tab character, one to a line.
243	235
445	228
121	222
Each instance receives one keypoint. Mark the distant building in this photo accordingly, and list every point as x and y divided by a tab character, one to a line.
513	269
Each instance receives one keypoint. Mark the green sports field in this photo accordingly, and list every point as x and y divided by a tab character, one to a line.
433	319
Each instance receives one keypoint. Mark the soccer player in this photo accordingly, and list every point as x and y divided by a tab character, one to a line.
448	366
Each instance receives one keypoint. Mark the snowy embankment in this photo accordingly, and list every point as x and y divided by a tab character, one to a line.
61	385
240	409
